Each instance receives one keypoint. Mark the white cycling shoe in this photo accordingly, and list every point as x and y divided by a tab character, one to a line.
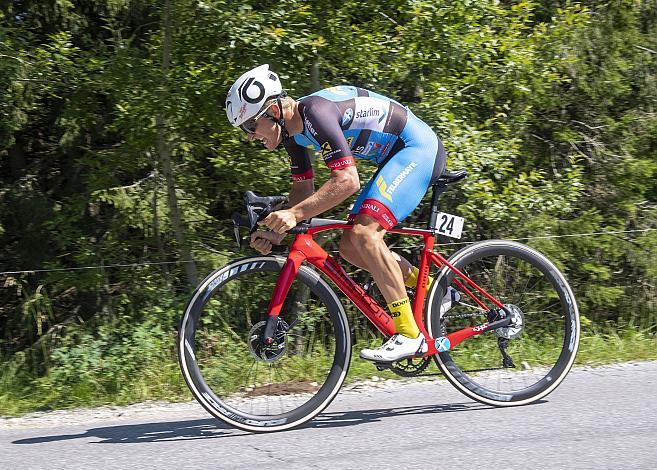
396	348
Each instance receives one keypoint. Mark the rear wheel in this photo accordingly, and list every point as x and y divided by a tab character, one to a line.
521	363
246	383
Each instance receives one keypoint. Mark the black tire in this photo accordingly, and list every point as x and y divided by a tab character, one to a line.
241	382
545	346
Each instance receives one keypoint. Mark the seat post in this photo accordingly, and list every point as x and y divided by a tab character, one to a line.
438	189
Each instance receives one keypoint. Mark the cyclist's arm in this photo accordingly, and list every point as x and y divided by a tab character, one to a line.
301	190
301	169
323	120
342	184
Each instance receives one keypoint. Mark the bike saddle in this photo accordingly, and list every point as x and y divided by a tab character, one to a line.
449	177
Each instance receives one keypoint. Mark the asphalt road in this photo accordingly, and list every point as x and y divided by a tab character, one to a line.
598	419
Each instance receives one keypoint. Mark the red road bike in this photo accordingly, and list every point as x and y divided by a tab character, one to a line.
265	343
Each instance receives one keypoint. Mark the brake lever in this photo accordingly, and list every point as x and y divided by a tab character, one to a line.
237	223
257	208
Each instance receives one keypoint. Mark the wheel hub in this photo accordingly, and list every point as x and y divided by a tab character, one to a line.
516	326
268	352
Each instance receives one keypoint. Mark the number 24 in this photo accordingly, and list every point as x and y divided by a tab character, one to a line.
447	225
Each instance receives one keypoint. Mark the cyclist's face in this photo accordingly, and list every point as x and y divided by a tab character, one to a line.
267	131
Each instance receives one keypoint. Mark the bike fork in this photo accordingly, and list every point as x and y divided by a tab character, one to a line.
283	284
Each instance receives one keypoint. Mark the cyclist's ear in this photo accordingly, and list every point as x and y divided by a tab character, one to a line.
274	111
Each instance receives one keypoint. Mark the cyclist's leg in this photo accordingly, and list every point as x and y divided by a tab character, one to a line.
367	236
367	233
353	254
407	173
385	200
348	251
394	192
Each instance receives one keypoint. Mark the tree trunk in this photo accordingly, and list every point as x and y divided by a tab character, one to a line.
156	226
164	151
314	76
16	156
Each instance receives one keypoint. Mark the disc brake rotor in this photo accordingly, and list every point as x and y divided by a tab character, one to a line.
268	352
516	326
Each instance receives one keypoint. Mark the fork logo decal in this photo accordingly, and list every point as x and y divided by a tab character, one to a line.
442	344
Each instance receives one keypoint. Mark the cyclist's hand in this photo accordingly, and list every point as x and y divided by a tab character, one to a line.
263	241
280	221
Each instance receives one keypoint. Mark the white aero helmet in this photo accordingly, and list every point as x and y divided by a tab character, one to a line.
250	92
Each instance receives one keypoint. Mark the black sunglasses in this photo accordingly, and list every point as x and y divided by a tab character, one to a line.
249	126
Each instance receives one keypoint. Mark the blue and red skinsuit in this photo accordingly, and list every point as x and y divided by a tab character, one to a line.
344	122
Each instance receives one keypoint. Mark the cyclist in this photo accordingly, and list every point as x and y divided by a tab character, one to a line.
344	122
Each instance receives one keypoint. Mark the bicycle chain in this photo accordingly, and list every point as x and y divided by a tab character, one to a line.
464	315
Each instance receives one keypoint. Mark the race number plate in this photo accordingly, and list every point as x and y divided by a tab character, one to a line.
449	225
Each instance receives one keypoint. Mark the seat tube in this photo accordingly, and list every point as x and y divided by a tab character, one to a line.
421	288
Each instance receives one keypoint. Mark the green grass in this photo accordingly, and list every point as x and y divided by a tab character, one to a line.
138	373
610	346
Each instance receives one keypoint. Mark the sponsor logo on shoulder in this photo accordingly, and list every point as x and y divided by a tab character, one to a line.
347	117
365	113
309	126
326	149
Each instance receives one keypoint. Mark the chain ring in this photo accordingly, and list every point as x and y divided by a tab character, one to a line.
410	367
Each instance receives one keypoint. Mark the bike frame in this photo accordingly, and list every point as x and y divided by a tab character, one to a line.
304	248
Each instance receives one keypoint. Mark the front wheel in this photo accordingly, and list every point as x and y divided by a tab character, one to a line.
251	385
521	363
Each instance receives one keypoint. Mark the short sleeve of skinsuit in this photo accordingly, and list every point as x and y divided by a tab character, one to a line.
322	132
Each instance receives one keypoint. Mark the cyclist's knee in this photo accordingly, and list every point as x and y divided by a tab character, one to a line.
364	236
347	247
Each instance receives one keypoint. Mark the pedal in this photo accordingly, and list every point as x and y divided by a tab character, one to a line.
383	365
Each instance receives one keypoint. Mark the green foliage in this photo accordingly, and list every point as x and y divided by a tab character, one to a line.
112	361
